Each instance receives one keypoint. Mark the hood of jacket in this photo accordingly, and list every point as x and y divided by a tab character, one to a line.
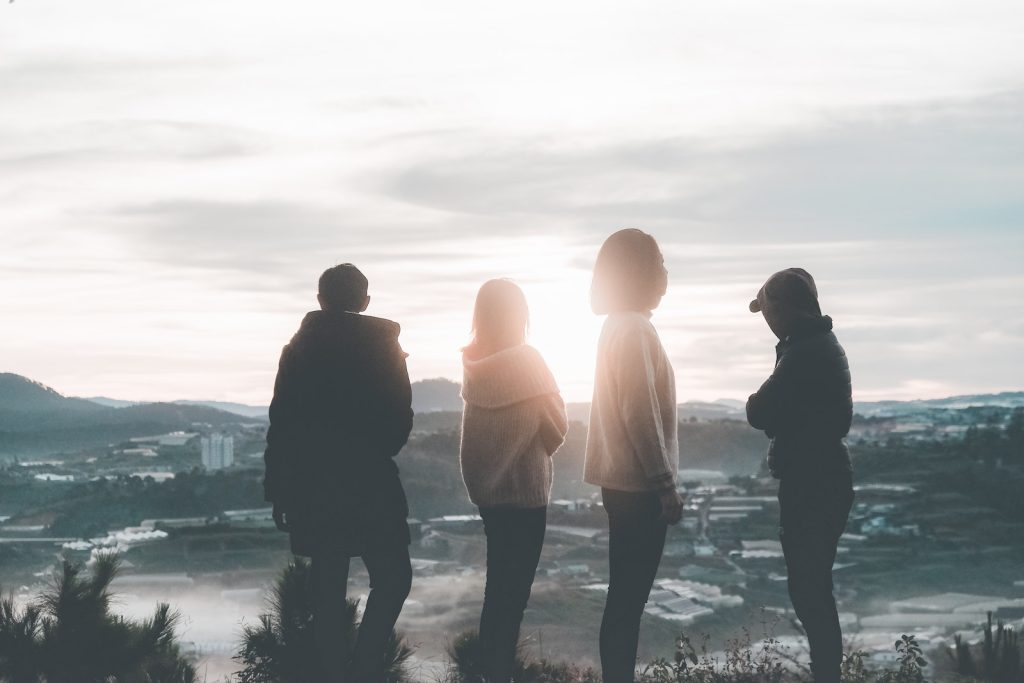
507	377
329	328
805	327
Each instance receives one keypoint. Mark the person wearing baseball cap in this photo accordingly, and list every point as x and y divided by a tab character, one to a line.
805	408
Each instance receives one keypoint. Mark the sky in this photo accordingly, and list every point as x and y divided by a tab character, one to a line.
174	176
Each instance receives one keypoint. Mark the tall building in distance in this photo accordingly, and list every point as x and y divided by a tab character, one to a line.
218	451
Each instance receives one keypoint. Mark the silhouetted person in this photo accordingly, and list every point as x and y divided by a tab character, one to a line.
513	421
341	412
805	408
632	447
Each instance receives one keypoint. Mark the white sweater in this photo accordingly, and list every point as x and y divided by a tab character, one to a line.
513	420
632	444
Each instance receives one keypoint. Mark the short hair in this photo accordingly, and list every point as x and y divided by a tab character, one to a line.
343	286
629	274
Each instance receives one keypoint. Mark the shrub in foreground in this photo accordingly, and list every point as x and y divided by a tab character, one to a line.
743	661
281	647
465	666
68	635
997	658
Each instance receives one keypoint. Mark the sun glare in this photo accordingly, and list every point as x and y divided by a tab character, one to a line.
565	331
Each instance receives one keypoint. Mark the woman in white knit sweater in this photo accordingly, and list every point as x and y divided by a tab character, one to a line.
513	421
632	448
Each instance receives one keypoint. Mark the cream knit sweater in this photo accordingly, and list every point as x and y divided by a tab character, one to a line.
513	420
632	444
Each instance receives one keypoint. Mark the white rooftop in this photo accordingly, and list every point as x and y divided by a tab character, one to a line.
942	602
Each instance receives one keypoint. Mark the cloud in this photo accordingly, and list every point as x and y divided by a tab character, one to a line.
253	244
76	66
903	215
126	141
931	169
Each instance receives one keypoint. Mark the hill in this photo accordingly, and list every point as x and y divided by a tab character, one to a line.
36	419
255	412
428	396
28	405
440	395
1006	399
111	402
434	395
719	410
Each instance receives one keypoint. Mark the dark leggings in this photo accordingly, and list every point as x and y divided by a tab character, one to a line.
515	537
813	519
635	543
390	580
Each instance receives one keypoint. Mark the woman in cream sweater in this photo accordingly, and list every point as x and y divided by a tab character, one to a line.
513	421
632	448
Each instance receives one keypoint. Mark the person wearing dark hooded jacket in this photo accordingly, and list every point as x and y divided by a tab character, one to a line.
341	412
805	407
513	421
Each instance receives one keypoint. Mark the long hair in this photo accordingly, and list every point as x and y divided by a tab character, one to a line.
500	318
629	274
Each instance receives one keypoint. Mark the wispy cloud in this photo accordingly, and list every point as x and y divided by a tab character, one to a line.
934	168
94	143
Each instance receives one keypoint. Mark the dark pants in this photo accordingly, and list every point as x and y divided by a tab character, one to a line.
390	580
813	518
635	543
515	537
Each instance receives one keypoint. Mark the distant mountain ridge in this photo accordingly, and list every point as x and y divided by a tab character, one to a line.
243	409
434	395
36	419
428	396
38	422
440	394
21	395
1005	399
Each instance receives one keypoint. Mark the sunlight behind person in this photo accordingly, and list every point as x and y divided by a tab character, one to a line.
564	330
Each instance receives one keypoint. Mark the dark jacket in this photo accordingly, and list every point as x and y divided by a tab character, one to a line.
806	406
342	410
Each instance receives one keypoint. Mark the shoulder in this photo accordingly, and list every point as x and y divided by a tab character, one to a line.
540	367
525	365
628	332
366	330
381	334
380	326
629	324
824	344
531	356
307	330
518	359
835	352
